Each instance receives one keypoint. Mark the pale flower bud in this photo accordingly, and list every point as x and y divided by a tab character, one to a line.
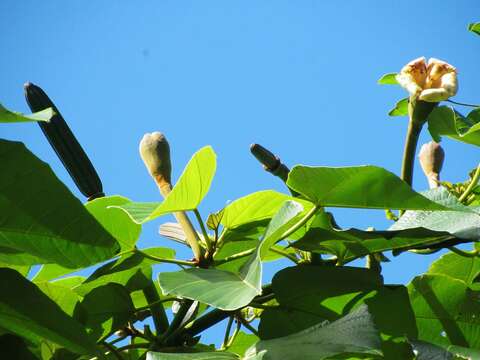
431	159
432	82
155	153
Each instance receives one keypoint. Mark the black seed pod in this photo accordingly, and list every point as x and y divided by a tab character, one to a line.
65	144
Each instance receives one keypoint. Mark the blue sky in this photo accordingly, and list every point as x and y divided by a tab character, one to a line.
298	77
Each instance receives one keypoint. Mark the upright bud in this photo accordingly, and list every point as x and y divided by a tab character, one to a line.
431	159
155	153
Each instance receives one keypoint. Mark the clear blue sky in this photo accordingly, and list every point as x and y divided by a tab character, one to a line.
298	77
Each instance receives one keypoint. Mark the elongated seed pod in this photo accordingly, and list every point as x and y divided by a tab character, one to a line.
66	146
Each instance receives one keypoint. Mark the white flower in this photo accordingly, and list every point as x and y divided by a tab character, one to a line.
434	81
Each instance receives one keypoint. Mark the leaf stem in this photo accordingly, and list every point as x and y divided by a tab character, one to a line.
227	332
170	261
285	254
234	335
300	223
206	238
235	256
161	301
248	326
159	316
462	104
176	323
471	186
113	350
469	254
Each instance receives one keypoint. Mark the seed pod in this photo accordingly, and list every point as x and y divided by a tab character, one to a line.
66	146
431	159
271	163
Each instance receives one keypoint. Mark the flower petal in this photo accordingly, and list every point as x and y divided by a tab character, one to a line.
412	77
434	95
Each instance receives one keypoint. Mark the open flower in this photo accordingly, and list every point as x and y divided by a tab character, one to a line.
434	81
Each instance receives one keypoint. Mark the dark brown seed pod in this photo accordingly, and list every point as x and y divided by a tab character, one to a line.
66	146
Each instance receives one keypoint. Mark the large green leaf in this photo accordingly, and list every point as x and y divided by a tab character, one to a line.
474	27
117	223
133	271
26	311
350	244
458	267
187	193
242	342
445	121
460	221
354	333
400	109
7	116
40	216
105	309
217	355
308	295
303	303
356	187
261	205
446	311
223	289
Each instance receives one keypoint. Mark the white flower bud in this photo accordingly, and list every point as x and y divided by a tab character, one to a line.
431	160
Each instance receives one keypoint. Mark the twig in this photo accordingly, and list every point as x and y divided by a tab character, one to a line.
471	186
462	104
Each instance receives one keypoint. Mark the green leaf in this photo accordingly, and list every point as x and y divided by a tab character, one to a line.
388	79
105	309
445	121
223	289
354	333
214	355
27	312
356	187
7	116
400	109
115	221
261	205
51	271
350	244
446	311
474	27
63	295
187	193
39	216
133	271
242	342
22	269
214	220
14	347
461	221
458	267
303	303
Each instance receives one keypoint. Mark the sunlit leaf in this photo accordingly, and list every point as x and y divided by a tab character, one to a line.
7	116
354	333
217	355
388	79
474	27
356	187
223	289
460	221
27	312
458	267
114	220
400	109
446	311
187	193
39	216
445	121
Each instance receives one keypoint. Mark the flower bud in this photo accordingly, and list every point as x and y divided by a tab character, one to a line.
155	153
431	159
